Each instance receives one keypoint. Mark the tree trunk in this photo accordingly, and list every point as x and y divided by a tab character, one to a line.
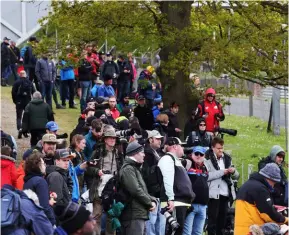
176	85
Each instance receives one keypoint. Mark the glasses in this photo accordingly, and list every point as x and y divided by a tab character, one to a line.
202	125
211	95
199	154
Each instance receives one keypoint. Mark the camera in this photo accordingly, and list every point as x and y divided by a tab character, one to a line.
223	131
92	163
107	172
170	219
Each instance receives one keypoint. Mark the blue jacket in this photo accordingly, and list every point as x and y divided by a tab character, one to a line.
30	60
90	142
106	91
39	185
156	112
74	172
66	73
34	217
94	90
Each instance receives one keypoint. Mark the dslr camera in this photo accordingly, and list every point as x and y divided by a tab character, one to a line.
174	225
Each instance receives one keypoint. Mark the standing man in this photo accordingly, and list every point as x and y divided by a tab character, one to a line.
144	114
46	74
22	91
157	222
110	68
173	127
221	188
30	61
211	110
136	211
15	57
123	81
176	189
5	61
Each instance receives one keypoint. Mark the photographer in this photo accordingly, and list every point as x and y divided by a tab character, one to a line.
108	164
176	188
200	137
211	110
221	188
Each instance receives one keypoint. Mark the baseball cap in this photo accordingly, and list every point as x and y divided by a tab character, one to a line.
52	126
199	149
155	134
140	97
49	138
108	54
6	38
173	141
62	154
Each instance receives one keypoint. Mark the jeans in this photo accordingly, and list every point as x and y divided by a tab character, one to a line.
156	225
123	88
85	93
46	91
67	85
14	71
133	227
30	72
5	72
195	221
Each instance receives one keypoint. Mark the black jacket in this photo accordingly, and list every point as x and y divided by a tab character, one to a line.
84	71
5	55
29	58
14	55
59	182
110	67
122	75
17	97
279	188
145	117
189	127
173	123
196	138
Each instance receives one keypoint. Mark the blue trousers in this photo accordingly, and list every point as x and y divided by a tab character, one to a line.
195	221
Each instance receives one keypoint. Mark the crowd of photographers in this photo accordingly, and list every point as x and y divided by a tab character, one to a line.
125	170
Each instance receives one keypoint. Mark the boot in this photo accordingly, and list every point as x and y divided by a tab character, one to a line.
20	134
59	106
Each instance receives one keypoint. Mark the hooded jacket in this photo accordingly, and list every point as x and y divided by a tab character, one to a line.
60	182
131	180
254	205
20	176
110	67
199	138
38	184
36	115
20	99
5	55
8	171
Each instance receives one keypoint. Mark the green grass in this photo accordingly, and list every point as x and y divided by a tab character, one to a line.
252	139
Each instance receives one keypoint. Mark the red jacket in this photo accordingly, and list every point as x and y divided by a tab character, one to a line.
114	113
94	61
211	109
8	171
20	176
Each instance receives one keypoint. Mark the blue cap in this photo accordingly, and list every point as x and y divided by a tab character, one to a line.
51	126
199	149
27	153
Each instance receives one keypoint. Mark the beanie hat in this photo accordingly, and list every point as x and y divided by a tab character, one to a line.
99	113
274	151
270	229
134	148
271	171
89	120
71	216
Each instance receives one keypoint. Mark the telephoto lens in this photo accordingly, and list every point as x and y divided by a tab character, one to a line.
170	219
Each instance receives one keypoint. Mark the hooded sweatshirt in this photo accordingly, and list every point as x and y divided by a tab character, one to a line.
8	171
274	151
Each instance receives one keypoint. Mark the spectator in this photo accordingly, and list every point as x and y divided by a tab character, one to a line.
133	71
161	125
190	125
157	222
14	59
49	142
277	155
144	114
110	68
46	74
30	61
9	140
135	213
93	59
8	169
176	190
84	72
108	164
200	137
58	178
157	109
92	138
35	220
74	219
36	115
5	61
22	91
124	79
78	144
198	174
67	83
211	110
221	173
94	90
102	58
173	127
34	180
106	90
123	103
112	106
20	169
254	204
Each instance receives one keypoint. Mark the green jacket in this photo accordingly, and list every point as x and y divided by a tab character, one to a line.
36	115
140	201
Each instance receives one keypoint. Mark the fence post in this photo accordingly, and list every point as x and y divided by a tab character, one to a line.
242	172
250	169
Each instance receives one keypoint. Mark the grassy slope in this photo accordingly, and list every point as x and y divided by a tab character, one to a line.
252	138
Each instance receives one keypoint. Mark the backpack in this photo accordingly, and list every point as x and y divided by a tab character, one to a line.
24	89
11	216
6	141
22	51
